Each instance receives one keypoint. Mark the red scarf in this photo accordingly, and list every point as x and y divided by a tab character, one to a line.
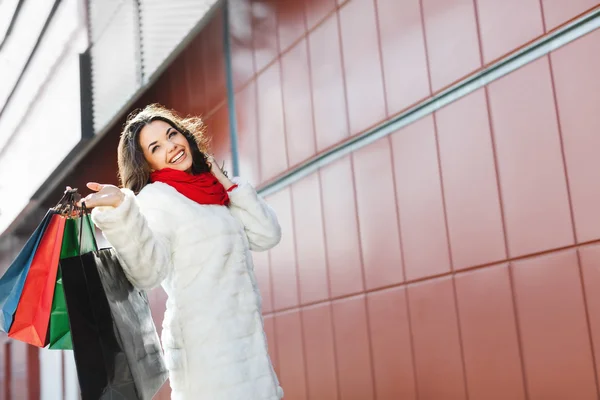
203	188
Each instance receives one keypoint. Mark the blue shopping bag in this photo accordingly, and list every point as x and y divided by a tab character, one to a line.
12	282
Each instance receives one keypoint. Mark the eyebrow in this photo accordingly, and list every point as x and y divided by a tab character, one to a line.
166	134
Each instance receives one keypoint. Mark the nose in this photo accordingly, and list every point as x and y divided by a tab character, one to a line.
171	147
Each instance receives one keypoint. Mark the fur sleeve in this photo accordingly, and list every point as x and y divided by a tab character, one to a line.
140	240
259	220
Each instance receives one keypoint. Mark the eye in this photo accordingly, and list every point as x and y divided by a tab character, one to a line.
153	149
173	133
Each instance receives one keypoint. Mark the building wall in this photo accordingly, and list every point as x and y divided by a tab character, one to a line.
456	257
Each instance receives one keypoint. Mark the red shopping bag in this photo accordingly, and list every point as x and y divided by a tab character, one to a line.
33	311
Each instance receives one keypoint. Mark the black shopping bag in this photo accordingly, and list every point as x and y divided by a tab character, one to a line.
117	350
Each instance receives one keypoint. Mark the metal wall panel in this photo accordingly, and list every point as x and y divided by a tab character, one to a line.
115	69
9	11
164	25
101	15
63	36
48	133
18	47
469	320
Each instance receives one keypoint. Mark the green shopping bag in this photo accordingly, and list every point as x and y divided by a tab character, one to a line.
60	330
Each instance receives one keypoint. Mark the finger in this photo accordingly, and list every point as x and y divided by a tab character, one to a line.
89	201
96	187
88	206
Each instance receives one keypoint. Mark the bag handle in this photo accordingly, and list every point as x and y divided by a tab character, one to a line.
67	204
83	212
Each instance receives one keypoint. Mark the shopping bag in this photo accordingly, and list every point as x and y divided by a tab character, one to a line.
12	282
60	331
117	350
31	318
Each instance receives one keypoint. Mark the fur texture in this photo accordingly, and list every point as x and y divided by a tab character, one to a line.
213	337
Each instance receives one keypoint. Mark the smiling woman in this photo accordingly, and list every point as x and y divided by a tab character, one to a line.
165	147
180	222
151	140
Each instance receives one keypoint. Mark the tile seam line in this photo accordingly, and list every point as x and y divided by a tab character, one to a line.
281	52
445	275
386	108
501	199
576	29
580	266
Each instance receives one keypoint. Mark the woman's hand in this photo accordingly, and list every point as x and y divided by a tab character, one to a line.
106	195
214	167
218	173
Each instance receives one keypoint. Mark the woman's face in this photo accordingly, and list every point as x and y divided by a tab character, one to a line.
165	147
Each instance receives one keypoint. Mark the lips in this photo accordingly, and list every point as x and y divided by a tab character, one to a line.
178	157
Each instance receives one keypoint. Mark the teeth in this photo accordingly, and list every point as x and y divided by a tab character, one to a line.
177	157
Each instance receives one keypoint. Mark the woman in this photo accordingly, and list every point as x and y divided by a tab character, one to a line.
180	222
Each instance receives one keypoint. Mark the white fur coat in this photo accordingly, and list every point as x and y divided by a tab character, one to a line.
213	337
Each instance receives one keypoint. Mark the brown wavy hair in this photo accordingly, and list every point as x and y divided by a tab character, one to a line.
134	171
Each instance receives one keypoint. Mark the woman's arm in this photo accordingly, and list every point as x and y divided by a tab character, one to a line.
140	240
259	220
